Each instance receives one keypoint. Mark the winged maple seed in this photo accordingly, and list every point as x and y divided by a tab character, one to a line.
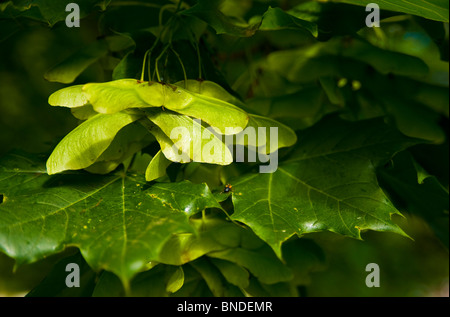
114	107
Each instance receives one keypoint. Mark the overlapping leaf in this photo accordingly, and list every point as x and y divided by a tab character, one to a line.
118	224
67	71
229	258
286	136
181	134
192	141
83	146
157	167
129	141
209	11
115	96
328	184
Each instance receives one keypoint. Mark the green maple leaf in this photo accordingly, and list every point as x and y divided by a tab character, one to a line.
329	183
432	9
117	221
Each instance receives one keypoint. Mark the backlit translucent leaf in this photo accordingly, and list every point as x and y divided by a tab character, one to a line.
286	137
123	94
70	97
191	139
220	115
128	141
83	146
157	167
217	113
83	113
209	89
115	96
168	147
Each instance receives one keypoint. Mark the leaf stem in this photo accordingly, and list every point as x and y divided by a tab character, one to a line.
182	66
199	58
143	66
158	59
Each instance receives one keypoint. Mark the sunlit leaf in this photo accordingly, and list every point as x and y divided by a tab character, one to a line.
128	141
117	223
286	137
115	96
123	94
83	146
157	167
70	97
273	130
329	184
192	140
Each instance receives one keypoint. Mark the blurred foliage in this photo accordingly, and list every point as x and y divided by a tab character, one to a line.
26	57
408	268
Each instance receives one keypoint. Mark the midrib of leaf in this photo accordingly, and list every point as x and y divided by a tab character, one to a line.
29	180
61	208
320	199
428	10
269	196
415	5
319	191
124	229
339	201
